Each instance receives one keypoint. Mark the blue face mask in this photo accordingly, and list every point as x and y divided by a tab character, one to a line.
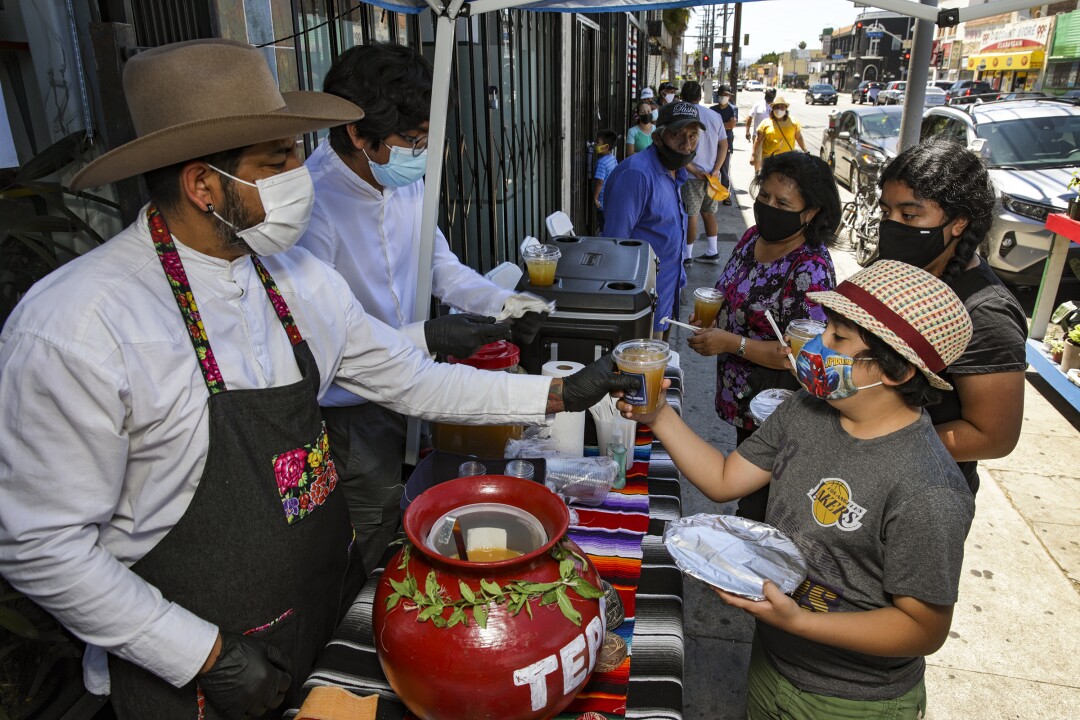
825	373
402	169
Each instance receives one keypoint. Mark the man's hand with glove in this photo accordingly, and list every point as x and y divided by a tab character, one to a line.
586	387
462	335
248	678
527	312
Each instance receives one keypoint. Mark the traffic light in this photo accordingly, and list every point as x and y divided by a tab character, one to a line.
705	61
907	56
858	26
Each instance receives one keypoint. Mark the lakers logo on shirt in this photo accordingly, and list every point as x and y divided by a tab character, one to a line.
817	597
832	505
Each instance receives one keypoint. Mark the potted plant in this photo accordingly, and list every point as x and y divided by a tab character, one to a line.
1056	348
1070	356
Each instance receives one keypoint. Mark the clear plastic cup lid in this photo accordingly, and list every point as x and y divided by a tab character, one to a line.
541	252
643	353
806	327
710	294
766	401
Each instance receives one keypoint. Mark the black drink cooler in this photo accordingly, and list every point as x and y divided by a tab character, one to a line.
604	293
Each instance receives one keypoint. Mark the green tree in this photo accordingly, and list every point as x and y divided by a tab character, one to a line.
768	58
676	20
802	45
826	31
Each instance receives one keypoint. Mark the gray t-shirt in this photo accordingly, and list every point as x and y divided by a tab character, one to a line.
875	518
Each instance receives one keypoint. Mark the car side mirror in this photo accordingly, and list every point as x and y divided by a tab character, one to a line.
843	135
980	147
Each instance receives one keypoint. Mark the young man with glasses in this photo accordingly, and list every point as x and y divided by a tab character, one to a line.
369	192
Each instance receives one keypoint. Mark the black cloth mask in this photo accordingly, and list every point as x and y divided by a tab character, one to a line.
776	225
912	245
671	159
644	118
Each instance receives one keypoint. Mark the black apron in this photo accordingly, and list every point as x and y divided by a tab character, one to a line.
264	547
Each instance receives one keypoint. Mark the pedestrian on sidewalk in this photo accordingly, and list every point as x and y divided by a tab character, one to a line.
759	112
605	163
779	133
864	487
639	136
712	149
643	202
729	113
779	260
667	92
937	203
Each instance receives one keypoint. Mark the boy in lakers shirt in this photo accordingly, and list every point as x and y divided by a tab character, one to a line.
864	487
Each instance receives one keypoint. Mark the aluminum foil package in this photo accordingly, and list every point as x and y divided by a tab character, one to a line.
735	554
766	401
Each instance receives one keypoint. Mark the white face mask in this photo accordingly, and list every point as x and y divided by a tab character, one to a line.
779	114
669	97
287	199
724	101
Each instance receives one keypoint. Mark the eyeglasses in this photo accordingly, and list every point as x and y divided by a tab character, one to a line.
418	143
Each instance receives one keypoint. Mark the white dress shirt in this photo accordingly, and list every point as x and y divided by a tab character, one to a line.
758	114
104	432
707	149
373	239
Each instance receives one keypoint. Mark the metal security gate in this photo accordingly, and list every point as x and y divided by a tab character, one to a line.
584	121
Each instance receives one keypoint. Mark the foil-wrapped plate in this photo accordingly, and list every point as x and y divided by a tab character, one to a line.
766	401
735	554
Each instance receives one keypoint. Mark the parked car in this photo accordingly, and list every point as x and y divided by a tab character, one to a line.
934	96
963	88
867	90
1032	148
859	138
755	86
1020	95
943	84
824	94
888	95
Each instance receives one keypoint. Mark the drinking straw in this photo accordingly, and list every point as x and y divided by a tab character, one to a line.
780	337
680	324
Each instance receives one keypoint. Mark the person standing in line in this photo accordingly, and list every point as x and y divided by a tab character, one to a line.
759	112
667	93
779	133
639	136
369	193
729	113
642	201
605	163
712	149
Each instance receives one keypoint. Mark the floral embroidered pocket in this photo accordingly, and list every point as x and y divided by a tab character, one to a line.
305	478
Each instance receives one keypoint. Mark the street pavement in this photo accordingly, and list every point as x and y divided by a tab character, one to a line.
1012	651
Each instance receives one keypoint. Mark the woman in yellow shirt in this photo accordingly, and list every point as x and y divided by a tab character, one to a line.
776	134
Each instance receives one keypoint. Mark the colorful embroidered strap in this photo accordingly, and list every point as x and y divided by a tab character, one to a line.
189	309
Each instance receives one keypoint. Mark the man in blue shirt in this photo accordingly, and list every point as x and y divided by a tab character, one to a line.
605	164
642	200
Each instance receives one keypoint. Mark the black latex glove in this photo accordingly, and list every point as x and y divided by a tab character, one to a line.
249	677
462	335
588	386
525	327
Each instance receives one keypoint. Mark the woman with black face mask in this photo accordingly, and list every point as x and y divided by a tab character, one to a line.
778	261
937	206
639	136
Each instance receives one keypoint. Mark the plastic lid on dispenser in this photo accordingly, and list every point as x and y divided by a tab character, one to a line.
500	355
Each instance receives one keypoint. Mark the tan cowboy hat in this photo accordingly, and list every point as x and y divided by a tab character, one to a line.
779	100
192	99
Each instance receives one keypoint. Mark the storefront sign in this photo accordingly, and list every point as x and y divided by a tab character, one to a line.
1024	35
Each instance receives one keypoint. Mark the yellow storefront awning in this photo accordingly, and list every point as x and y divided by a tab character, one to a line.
1008	61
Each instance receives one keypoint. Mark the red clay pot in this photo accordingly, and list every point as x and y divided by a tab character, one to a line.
517	668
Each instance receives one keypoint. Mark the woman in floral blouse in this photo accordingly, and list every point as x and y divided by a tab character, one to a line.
777	262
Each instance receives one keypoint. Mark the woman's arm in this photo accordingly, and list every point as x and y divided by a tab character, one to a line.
629	150
767	353
799	138
991	412
908	628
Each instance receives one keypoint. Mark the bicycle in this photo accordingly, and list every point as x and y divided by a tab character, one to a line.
860	217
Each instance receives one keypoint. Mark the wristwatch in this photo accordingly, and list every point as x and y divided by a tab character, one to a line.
742	346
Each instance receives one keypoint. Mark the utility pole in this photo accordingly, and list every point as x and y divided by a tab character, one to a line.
723	42
736	39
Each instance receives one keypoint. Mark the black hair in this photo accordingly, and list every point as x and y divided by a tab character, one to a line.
955	178
691	91
814	179
392	83
163	184
608	137
916	391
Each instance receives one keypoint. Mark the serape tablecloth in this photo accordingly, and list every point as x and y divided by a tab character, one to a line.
623	538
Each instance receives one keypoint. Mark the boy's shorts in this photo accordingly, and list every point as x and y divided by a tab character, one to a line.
770	696
695	198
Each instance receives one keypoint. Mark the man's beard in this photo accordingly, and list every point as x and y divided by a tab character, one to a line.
238	215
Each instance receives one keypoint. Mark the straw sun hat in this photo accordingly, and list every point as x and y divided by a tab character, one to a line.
192	99
911	310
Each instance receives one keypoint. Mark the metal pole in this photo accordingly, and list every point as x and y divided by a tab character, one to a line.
724	45
918	72
736	40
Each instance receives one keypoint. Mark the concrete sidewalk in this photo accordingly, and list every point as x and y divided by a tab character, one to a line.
1009	654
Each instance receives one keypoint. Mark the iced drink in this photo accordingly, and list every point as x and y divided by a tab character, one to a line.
706	305
801	331
646	359
541	260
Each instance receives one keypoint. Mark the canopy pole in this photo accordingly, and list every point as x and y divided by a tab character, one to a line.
917	77
445	29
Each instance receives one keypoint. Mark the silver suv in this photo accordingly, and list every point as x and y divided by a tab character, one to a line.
1032	148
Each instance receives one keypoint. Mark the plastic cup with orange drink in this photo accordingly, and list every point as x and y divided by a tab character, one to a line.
706	304
647	360
801	331
541	260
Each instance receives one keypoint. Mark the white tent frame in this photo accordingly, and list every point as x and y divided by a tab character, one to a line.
448	12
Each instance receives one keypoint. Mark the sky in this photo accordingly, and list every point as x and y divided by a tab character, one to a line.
779	25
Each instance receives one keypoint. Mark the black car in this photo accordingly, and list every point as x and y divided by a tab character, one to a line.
824	94
859	138
966	88
863	93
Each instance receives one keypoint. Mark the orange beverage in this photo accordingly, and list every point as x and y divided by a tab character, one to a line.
541	261
801	331
706	304
647	359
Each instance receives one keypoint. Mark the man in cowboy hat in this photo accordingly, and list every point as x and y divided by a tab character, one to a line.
166	487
